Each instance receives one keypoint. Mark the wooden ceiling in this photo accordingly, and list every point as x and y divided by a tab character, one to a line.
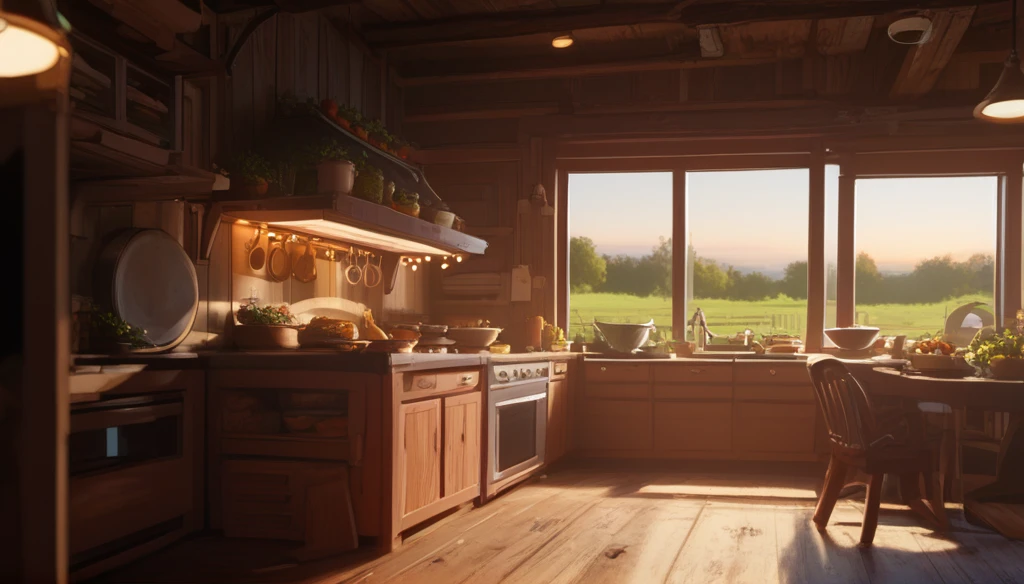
431	42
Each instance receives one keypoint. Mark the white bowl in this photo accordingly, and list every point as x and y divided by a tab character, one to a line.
856	338
444	218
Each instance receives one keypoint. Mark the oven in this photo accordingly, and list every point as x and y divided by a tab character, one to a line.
517	409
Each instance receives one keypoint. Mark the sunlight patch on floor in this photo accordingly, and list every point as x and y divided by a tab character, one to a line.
698	490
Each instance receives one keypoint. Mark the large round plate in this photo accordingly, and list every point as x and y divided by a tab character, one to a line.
153	286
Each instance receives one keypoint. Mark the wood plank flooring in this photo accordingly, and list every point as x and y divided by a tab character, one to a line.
600	525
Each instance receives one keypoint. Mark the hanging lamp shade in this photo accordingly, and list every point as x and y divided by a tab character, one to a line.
1005	103
34	53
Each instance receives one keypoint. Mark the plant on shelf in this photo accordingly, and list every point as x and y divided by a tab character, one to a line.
406	202
110	333
334	170
402	148
250	174
369	183
378	134
251	314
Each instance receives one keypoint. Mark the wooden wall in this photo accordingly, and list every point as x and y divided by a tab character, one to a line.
306	56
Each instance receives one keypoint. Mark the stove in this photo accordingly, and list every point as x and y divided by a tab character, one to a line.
517	411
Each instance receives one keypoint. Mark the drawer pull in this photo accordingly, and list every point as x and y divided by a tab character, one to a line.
696	371
603	368
771	372
466	380
424	383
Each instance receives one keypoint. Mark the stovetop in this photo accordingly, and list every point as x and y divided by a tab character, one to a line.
637	355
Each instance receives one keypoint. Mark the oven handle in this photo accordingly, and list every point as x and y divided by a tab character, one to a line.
97	420
521	400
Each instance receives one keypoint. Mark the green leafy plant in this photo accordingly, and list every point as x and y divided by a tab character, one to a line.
404	197
250	168
107	326
988	348
350	113
267	315
318	151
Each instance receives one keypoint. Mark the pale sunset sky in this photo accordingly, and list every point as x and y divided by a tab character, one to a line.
757	220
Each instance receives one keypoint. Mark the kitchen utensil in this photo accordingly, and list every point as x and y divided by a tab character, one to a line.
852	338
400	334
257	255
433	330
435	342
625	338
372	273
305	267
279	264
353	273
145	277
479	337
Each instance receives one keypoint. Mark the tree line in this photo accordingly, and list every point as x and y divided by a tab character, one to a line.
931	280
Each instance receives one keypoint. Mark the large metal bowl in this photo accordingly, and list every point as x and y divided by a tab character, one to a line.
855	338
475	337
625	338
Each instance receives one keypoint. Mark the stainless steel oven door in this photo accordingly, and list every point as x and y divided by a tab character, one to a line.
517	428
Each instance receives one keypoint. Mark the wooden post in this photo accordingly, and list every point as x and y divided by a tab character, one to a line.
1012	208
816	278
561	199
680	235
46	357
846	260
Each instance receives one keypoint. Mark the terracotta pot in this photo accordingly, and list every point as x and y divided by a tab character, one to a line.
250	190
335	177
265	336
361	133
1008	369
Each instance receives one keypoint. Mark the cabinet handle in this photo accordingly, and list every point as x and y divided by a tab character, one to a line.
425	383
435	440
463	437
467	379
771	372
604	368
696	371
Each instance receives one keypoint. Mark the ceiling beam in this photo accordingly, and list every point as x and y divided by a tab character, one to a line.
537	69
693	13
924	63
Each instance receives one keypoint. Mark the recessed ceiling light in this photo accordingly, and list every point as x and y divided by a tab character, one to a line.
562	42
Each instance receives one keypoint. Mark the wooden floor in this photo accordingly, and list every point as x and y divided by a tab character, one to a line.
597	525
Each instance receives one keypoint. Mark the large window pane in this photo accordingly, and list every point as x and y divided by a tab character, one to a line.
748	246
620	251
925	247
831	241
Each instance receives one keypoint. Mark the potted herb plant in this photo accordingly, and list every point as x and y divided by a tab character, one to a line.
111	335
1002	355
250	175
406	202
265	327
335	173
369	182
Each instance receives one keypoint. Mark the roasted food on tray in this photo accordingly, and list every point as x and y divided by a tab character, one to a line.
929	346
332	328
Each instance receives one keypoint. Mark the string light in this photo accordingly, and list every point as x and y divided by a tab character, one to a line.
271	235
458	259
444	265
294	238
427	258
419	260
414	266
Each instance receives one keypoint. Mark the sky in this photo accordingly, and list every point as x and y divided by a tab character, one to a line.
757	220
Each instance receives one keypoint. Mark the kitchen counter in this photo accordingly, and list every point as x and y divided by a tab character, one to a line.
535	356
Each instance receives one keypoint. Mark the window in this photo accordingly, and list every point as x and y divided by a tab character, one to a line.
620	251
748	250
926	254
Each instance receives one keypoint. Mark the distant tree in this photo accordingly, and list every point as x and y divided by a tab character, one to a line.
752	286
869	283
709	279
794	281
587	270
661	267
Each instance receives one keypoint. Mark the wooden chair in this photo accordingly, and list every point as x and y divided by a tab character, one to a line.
858	442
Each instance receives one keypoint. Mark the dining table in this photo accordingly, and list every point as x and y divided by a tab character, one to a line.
999	504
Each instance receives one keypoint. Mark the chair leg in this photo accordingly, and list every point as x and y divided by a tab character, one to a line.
835	478
871	504
936	500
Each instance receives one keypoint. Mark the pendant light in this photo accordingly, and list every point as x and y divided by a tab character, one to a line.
1005	103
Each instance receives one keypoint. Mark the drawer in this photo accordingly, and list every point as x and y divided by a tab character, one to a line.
627	372
692	391
616	425
263	499
440	381
790	393
693	426
790	373
559	368
698	373
774	428
618	390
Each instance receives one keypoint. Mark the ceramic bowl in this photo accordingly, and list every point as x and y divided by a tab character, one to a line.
855	338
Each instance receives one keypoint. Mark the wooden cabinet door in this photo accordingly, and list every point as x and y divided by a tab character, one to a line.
462	443
420	439
692	426
558	420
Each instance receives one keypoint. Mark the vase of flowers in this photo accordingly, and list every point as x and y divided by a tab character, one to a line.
1000	354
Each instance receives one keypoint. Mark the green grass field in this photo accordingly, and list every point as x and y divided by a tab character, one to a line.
728	317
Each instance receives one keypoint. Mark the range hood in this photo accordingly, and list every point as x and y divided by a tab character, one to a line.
347	220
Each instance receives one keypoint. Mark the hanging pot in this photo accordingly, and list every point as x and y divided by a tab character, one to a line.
305	266
279	264
257	255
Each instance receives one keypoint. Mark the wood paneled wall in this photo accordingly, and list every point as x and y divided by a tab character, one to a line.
304	55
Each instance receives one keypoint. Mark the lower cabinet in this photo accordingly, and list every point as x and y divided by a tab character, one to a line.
616	425
557	438
438	456
693	426
420	439
775	428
